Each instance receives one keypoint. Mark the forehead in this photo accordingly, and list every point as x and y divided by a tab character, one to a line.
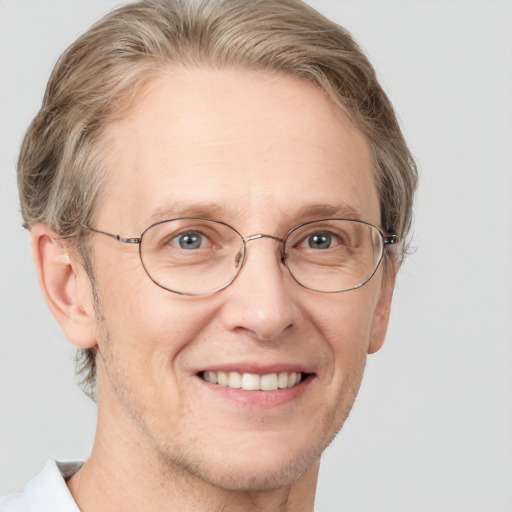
235	143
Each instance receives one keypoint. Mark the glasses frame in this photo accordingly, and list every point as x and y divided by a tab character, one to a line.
387	240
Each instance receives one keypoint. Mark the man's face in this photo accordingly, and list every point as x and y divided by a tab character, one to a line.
263	153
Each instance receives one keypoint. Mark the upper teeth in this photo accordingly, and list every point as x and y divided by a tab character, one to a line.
252	381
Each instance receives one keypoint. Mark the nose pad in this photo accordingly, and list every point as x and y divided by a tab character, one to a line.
239	258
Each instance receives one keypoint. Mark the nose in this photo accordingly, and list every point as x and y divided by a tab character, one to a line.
262	299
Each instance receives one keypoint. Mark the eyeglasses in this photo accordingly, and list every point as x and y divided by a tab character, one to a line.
197	256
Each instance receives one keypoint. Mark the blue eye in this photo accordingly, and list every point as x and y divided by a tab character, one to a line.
188	241
319	240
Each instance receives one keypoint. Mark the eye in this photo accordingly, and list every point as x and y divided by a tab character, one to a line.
189	240
320	240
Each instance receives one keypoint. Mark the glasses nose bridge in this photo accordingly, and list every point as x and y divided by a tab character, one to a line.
258	236
261	235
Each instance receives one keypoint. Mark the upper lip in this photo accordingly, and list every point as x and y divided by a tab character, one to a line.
256	368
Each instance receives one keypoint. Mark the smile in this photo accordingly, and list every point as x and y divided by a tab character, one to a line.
252	381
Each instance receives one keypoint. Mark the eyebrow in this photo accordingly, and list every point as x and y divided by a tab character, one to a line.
208	210
321	210
213	210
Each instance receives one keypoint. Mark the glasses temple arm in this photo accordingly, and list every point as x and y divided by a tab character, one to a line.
390	240
119	238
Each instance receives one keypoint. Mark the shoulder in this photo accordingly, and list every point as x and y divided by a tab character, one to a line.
47	491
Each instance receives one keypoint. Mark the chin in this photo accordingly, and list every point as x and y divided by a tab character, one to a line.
256	461
253	475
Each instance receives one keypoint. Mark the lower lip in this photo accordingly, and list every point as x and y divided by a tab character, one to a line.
259	399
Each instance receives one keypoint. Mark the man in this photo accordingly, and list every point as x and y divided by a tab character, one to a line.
218	195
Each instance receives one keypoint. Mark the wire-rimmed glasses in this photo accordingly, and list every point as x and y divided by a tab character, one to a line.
198	256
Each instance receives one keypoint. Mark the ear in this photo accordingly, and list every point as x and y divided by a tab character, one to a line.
65	286
381	314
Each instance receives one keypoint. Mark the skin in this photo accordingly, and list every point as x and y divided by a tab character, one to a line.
262	152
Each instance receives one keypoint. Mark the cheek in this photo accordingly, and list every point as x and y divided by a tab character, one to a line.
148	327
346	321
345	325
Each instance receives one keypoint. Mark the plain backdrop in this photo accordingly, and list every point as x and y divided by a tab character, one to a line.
432	427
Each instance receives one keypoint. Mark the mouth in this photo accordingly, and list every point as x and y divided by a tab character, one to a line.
254	381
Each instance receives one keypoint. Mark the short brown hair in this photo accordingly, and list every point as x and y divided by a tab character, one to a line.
60	167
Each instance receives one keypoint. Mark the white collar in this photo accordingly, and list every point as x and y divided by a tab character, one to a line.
47	491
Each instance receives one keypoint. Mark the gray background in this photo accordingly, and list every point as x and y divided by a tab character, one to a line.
432	427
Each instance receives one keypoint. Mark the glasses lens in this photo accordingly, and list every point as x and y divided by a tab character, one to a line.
333	255
192	256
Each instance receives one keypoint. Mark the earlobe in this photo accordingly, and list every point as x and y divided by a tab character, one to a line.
65	286
381	316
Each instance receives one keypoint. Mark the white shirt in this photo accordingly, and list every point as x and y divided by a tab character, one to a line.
47	492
